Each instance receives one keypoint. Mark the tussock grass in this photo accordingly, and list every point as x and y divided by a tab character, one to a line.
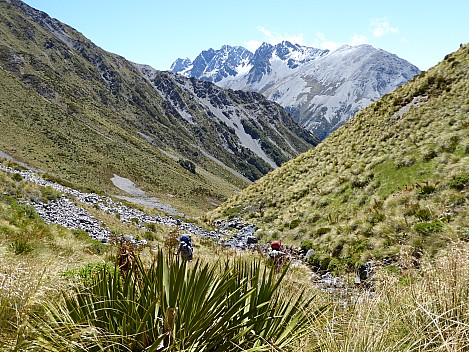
391	178
409	309
424	310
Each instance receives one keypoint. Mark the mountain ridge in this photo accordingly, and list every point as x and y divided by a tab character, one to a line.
84	114
293	76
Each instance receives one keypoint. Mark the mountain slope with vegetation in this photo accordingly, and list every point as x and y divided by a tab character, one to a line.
58	289
392	184
84	115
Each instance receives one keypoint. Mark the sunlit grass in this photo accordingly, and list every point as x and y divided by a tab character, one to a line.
373	179
407	310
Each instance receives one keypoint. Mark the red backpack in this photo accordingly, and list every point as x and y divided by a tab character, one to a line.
276	245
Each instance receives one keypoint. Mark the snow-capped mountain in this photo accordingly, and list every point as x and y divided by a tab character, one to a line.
248	126
215	65
322	89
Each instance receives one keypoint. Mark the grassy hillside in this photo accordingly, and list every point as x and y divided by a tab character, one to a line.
83	114
57	114
42	266
391	184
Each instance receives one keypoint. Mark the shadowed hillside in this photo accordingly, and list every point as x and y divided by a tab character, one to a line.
391	184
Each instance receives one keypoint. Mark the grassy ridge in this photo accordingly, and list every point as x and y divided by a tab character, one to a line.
387	185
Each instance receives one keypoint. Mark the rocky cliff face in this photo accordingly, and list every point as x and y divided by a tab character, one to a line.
321	88
248	126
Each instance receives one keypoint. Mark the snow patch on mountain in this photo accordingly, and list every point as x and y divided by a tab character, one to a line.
321	88
231	116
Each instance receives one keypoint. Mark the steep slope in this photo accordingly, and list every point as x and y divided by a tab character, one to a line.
83	114
321	88
257	134
391	184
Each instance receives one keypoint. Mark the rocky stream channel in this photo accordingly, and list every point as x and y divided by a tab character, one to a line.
66	211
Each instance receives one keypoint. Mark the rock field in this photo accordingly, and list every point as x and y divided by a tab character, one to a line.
66	211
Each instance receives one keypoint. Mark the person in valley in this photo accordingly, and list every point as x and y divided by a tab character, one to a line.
185	247
276	253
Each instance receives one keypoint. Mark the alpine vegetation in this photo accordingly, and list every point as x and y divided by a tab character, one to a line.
390	185
173	307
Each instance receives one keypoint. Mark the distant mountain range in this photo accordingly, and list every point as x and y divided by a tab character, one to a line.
83	114
322	89
390	186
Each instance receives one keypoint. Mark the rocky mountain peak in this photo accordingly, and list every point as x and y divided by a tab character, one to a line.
180	65
214	65
321	88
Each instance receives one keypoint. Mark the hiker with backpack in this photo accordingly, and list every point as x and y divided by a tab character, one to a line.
276	253
185	247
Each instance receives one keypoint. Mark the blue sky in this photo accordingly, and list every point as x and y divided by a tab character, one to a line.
158	32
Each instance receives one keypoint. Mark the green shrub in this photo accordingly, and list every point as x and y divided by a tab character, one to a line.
250	129
322	231
319	261
20	212
359	182
21	246
449	145
315	260
426	190
334	266
411	209
87	273
17	177
362	200
294	223
337	248
428	227
188	165
429	154
314	218
50	194
360	246
149	236
466	149
306	245
151	226
173	307
459	182
423	214
376	218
